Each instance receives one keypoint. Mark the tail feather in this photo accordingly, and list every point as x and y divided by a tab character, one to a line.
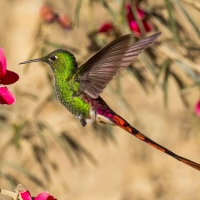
119	121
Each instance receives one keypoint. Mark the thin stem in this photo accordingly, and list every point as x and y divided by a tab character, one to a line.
14	195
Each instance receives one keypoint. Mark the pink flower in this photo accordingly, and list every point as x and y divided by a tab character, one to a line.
25	194
6	78
47	14
132	22
105	27
64	21
140	13
135	27
197	109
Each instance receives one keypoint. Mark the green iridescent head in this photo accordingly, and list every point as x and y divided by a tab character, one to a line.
58	60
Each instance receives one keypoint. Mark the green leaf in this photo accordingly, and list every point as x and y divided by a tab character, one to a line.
138	76
39	131
122	101
191	73
163	67
109	9
187	17
59	141
10	180
138	20
77	12
77	148
172	20
118	84
103	131
23	171
40	156
190	87
165	86
181	86
149	64
18	128
124	22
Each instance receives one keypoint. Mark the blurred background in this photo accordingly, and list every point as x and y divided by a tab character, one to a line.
45	148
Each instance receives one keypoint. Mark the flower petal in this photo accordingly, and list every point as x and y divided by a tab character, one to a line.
47	14
197	108
105	27
2	63
129	14
9	78
44	196
135	28
141	13
147	25
51	198
64	21
6	97
25	195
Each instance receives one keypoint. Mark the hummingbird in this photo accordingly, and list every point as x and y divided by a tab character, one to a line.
79	88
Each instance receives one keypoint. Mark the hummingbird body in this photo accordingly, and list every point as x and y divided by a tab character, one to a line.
67	88
68	92
78	89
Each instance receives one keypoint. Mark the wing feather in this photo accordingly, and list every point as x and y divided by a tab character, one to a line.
100	69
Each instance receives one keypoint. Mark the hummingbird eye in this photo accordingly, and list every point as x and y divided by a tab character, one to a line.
53	58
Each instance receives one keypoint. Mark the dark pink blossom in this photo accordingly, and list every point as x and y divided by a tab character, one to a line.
6	97
136	29
6	78
47	14
133	23
105	27
64	21
44	196
25	194
197	109
140	13
3	63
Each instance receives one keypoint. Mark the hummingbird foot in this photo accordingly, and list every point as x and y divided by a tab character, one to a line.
102	119
83	122
90	119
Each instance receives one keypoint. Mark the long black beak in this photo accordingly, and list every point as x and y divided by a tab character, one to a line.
34	60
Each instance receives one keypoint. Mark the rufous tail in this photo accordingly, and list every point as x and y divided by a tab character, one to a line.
119	121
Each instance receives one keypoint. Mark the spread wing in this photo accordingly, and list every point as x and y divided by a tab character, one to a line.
97	72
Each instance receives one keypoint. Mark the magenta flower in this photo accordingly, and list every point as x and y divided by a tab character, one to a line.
197	109
47	14
133	25
6	78
64	21
105	27
132	22
136	29
25	194
140	13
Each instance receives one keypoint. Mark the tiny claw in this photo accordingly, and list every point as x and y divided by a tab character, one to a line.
83	122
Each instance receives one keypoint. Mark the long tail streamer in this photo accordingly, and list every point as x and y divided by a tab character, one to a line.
119	121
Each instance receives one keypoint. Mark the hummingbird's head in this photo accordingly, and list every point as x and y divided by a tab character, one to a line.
58	60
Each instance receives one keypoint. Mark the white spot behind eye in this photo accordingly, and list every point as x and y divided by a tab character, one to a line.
53	58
